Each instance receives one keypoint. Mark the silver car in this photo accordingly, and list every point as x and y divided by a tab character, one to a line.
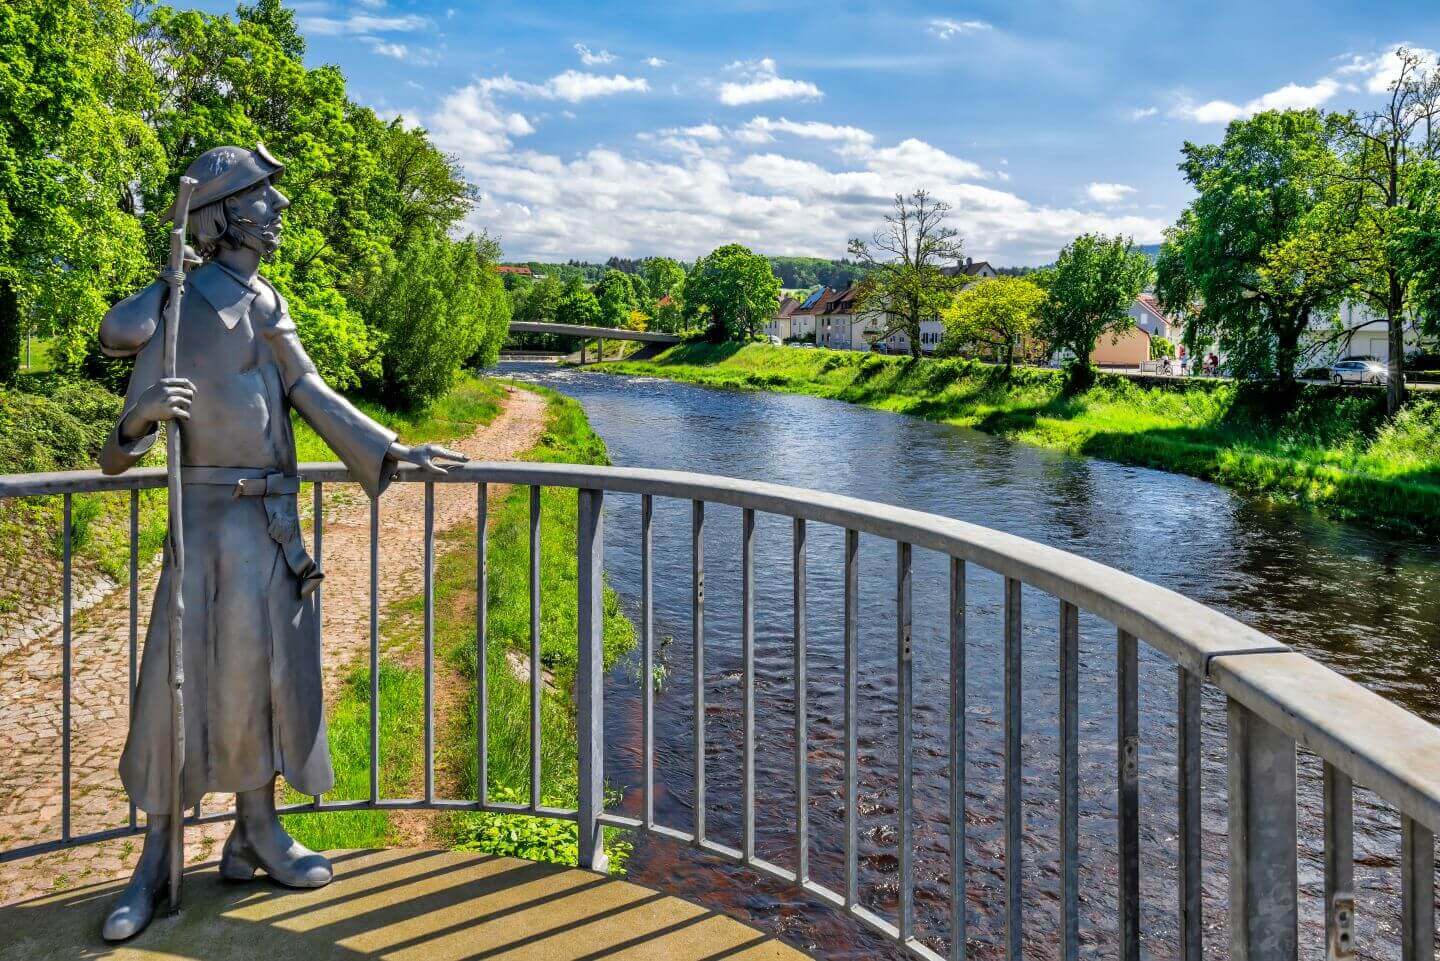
1359	371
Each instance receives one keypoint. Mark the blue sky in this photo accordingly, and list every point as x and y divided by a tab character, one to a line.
599	128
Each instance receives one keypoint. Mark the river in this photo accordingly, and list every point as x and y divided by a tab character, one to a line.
1365	603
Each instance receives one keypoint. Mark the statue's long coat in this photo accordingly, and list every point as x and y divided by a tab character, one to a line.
253	699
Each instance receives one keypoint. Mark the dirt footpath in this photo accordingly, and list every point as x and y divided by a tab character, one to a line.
30	704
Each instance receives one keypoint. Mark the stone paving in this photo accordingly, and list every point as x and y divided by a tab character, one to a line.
30	707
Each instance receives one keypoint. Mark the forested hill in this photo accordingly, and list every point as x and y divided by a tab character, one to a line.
793	271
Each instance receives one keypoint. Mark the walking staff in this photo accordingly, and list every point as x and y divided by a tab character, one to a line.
175	280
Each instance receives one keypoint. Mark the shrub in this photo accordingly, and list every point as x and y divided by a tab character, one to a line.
1161	347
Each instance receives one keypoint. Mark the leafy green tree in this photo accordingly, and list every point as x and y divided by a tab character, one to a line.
538	303
1089	291
433	309
663	277
1384	156
1001	312
903	260
734	290
1263	247
577	305
1418	247
616	297
72	146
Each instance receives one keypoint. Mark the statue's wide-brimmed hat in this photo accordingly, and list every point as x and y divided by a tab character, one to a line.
228	170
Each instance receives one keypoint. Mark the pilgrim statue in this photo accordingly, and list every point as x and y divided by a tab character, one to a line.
250	653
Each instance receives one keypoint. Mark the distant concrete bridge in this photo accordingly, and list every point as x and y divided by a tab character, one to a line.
599	334
602	333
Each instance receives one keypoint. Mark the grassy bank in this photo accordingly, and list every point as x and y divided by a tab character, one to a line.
1328	449
567	437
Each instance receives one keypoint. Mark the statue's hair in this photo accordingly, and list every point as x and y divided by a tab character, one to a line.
210	228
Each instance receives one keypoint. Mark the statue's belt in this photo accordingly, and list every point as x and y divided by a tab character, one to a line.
277	492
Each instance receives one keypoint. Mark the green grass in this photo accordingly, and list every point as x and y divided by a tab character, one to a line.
567	437
1327	449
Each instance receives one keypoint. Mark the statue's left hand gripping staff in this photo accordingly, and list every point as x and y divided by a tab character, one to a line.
175	280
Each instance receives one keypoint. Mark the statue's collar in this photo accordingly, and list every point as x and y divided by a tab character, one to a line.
224	290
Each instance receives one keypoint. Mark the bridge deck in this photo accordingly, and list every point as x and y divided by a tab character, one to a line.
397	904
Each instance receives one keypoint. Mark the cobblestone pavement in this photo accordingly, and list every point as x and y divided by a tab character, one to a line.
30	706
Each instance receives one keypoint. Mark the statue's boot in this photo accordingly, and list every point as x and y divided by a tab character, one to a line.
259	842
132	911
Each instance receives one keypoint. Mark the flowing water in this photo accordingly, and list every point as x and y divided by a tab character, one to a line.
1365	603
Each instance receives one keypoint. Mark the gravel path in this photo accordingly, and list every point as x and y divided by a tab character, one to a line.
30	708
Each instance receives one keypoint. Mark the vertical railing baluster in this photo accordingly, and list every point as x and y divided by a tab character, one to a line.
1263	907
1070	780
1127	750
482	643
852	718
134	624
697	620
1417	891
957	759
1339	864
1188	768
1014	811
429	640
802	737
66	617
905	690
317	511
374	650
747	684
647	655
590	679
534	647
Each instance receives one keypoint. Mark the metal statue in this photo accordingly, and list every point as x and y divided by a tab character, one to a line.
242	701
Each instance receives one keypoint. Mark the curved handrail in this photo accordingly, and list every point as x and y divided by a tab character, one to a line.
1378	744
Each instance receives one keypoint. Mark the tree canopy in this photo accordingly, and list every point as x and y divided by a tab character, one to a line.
1263	247
999	312
734	290
1089	292
904	279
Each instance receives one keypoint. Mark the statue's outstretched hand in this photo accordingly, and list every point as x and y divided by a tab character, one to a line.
431	457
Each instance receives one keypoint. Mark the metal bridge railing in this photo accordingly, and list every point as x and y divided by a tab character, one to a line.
1277	700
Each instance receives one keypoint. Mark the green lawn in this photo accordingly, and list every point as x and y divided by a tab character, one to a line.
567	438
1328	449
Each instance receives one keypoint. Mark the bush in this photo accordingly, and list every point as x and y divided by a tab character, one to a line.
1161	347
61	426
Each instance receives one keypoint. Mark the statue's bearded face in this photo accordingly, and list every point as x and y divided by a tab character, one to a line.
254	217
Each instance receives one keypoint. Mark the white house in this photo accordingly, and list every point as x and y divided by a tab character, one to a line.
782	324
1365	334
1148	316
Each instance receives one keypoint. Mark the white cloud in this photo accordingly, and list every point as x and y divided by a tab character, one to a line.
1292	96
359	23
764	129
593	58
572	86
470	124
1143	113
759	81
655	62
387	49
1380	71
1103	193
712	189
945	28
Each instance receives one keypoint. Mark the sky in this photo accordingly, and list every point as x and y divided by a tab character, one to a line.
595	129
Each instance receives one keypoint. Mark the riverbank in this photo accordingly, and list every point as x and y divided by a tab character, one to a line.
1331	450
566	437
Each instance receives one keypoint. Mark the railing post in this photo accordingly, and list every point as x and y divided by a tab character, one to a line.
590	677
1263	912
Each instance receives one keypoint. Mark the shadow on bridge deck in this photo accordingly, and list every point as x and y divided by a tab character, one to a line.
398	904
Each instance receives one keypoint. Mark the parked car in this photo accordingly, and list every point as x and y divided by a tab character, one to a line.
1359	370
774	341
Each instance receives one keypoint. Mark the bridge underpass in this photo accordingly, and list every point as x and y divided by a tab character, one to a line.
586	334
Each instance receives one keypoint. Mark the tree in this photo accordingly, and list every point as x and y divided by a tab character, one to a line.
1384	155
73	143
1089	291
616	299
665	279
999	311
734	290
537	302
903	262
1264	246
577	305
